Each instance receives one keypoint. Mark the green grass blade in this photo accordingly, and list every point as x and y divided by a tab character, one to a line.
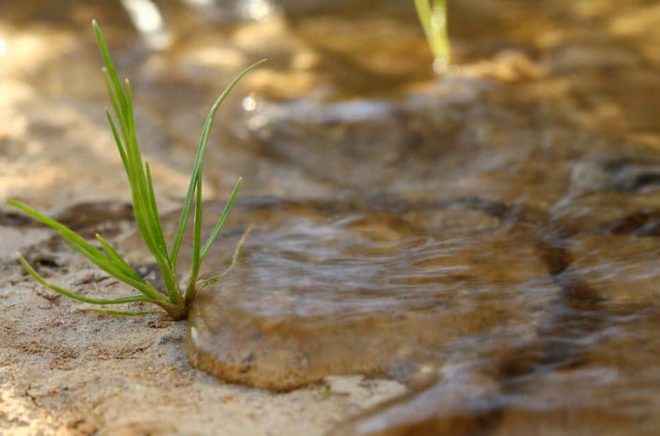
116	99
197	232
221	220
433	17
234	260
89	251
107	59
120	312
153	208
138	173
424	13
146	216
115	135
76	296
130	117
69	235
115	89
117	259
169	275
191	287
121	98
199	158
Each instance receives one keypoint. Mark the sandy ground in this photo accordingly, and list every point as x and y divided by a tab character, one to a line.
65	371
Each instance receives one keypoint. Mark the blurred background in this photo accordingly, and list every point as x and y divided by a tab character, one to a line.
324	116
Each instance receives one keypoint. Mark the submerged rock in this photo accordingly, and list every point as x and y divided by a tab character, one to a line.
494	324
592	363
330	288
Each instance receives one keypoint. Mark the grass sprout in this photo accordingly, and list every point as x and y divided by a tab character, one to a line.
433	16
175	299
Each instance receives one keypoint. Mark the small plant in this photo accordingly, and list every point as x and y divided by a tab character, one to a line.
433	16
174	299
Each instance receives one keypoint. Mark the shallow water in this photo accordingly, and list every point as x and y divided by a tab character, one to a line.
489	238
331	288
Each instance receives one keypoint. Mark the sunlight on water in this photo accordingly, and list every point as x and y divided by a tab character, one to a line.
149	21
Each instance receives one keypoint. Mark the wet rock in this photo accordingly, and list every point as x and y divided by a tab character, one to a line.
590	364
624	268
323	291
612	193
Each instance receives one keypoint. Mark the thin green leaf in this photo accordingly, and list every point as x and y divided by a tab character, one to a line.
234	260
424	13
130	116
76	296
120	312
221	220
117	259
144	205
199	158
197	232
89	251
191	290
155	219
107	59
115	135
433	17
117	100
167	271
69	235
121	97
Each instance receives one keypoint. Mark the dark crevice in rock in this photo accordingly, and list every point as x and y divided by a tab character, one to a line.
89	218
641	223
15	219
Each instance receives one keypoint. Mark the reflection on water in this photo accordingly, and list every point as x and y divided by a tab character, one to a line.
337	288
489	239
149	21
236	9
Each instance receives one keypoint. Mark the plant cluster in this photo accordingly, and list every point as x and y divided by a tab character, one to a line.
176	298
